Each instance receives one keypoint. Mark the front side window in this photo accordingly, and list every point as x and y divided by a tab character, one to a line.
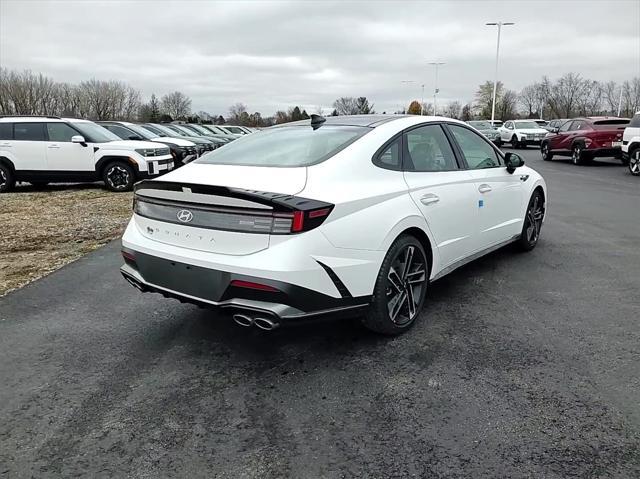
476	150
122	132
60	132
635	121
428	150
578	125
28	131
566	126
94	133
286	146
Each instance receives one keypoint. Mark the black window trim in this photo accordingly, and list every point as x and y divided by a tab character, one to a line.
499	153
376	156
453	150
455	146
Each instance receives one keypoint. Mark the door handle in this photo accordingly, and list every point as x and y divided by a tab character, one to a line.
484	188
55	147
429	199
6	145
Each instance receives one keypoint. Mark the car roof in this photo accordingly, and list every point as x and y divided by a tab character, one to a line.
370	121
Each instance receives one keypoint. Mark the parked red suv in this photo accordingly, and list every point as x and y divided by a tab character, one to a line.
585	138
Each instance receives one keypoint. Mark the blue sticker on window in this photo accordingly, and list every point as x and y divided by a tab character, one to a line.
480	203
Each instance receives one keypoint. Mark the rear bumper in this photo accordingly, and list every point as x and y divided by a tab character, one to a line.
602	152
214	289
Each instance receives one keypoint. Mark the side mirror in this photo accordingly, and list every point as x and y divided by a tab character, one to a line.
555	130
513	161
78	139
135	137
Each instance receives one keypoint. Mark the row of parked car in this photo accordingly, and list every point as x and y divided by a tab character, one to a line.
46	149
581	139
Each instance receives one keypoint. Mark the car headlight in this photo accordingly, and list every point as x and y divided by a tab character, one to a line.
523	137
146	152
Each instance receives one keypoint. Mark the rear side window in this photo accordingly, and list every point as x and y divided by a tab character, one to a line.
390	156
28	131
6	131
635	121
428	150
291	146
60	132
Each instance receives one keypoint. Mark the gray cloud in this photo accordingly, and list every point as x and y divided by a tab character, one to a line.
271	55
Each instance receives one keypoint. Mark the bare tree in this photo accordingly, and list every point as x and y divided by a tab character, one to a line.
631	97
453	109
467	112
176	104
506	107
346	106
528	98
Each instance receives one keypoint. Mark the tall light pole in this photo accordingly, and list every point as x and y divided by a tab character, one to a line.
435	90
422	102
495	77
408	82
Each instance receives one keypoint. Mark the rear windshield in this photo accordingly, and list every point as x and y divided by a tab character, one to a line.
286	146
604	124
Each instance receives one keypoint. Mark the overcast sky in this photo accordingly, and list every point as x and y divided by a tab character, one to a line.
274	54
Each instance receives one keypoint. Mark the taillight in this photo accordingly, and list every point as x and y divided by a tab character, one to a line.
265	213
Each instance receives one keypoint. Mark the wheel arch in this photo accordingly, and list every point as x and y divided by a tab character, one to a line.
8	163
418	228
105	160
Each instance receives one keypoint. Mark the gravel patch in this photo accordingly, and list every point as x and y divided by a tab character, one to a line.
44	229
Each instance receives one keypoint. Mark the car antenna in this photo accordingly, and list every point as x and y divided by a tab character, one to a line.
317	121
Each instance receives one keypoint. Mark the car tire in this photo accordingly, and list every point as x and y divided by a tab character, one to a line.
7	178
118	176
399	292
634	162
545	151
514	142
499	142
532	222
578	156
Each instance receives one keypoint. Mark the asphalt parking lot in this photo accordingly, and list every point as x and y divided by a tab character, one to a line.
522	365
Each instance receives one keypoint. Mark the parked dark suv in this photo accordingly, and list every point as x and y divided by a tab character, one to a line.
585	138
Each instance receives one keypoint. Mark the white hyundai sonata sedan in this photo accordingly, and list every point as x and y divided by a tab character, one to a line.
350	215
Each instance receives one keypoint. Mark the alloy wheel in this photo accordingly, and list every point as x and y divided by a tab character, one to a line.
118	177
3	178
405	282
634	163
576	155
545	151
535	214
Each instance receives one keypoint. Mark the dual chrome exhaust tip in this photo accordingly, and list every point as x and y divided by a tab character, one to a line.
265	324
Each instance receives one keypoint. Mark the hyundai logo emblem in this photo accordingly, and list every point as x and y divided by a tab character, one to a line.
185	216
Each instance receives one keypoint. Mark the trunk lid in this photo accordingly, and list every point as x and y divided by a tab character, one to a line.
222	209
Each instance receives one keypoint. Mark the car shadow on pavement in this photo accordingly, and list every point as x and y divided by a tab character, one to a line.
211	330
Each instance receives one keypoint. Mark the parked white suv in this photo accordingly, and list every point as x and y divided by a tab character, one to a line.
631	145
521	133
46	149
